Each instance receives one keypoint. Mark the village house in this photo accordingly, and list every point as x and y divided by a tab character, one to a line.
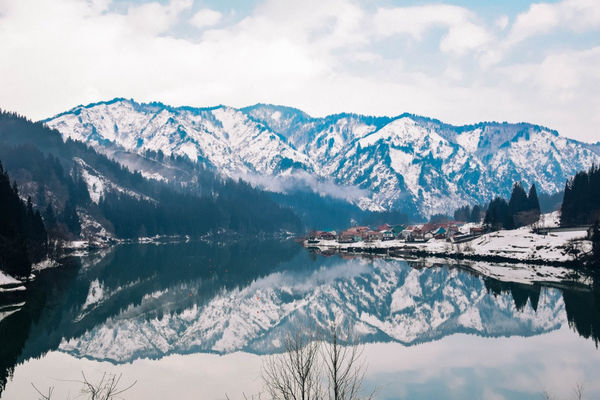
388	235
323	235
397	229
477	230
384	227
372	236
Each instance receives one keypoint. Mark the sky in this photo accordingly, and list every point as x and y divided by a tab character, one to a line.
458	61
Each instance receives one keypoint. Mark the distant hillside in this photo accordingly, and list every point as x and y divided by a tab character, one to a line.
112	201
410	163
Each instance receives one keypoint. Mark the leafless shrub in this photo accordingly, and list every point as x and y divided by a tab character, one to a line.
316	366
295	374
344	367
44	396
577	392
107	388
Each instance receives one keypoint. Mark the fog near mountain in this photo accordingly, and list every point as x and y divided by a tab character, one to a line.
105	200
409	163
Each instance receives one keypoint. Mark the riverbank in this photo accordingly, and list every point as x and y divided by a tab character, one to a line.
518	245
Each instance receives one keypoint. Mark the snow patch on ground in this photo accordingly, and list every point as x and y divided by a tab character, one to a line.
517	244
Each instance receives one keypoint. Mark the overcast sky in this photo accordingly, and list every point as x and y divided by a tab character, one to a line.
458	61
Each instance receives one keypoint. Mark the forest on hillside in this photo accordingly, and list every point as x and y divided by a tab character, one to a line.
45	169
23	237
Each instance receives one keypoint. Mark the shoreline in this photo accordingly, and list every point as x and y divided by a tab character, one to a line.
563	249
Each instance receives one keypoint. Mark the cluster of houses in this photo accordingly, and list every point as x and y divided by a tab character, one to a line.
450	231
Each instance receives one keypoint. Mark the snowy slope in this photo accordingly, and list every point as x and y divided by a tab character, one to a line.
406	162
221	136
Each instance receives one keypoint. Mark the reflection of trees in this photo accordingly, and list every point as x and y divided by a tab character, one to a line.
54	301
583	311
15	330
582	305
520	292
12	344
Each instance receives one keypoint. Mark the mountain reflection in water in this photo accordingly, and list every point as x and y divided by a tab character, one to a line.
147	301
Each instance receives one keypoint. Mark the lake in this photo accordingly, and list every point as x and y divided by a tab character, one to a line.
196	320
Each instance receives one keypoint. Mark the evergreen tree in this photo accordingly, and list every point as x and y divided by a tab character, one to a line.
50	217
498	215
475	214
463	214
517	203
22	238
532	198
596	245
524	209
581	202
70	218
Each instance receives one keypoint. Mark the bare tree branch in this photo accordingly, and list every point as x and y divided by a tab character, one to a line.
42	395
315	367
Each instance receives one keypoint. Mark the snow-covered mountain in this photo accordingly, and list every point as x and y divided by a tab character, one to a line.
406	162
380	300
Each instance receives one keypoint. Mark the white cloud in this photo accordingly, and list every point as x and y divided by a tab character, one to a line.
464	37
155	18
323	57
502	22
416	21
205	18
462	34
542	18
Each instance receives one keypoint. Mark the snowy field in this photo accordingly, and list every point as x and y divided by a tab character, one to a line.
518	244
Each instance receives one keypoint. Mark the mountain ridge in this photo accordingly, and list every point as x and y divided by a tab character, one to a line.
472	125
407	162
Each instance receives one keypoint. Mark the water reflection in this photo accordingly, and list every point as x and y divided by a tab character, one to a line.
147	301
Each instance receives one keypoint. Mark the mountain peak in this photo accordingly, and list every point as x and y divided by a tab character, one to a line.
408	161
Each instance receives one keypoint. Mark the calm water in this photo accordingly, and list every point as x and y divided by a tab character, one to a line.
195	320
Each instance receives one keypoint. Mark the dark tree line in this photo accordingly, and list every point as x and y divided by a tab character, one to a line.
49	169
52	189
23	238
238	208
581	202
522	209
468	214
